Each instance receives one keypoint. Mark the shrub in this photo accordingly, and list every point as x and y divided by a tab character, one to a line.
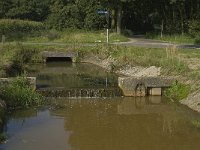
21	55
197	40
127	32
15	25
19	94
52	35
194	28
14	29
177	91
2	137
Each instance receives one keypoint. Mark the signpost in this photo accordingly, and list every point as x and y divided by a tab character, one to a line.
106	13
3	39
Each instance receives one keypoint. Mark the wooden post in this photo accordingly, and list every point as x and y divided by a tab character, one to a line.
107	40
3	39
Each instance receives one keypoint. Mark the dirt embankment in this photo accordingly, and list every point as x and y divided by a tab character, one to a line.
125	70
192	101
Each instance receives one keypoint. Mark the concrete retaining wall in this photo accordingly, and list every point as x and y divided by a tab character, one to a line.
142	86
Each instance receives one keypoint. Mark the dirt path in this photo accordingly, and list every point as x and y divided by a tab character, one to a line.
139	42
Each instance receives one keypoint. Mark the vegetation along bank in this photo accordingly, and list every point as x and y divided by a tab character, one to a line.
181	64
82	29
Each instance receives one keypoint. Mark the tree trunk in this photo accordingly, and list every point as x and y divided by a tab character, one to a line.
181	11
162	27
119	19
113	22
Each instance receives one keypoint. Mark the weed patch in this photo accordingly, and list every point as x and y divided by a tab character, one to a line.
177	91
19	94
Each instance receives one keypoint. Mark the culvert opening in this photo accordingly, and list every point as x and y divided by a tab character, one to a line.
58	59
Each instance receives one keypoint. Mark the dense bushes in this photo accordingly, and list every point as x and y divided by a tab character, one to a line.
75	15
177	91
14	25
13	28
14	58
194	28
19	94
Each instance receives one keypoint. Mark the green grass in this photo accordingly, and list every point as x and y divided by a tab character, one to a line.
176	38
169	59
173	61
191	53
19	94
67	36
88	37
177	91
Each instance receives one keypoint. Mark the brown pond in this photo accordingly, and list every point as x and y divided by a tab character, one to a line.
147	123
104	124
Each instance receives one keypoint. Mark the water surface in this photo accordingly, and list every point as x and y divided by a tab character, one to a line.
115	123
72	75
104	124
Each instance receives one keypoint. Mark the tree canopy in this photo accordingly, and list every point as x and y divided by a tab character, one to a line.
175	16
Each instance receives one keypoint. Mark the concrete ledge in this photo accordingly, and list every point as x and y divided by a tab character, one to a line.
142	86
50	54
80	92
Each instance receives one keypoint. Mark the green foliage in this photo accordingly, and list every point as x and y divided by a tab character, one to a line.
168	59
177	91
2	137
75	14
5	5
127	33
174	38
63	17
197	40
36	10
176	15
53	35
14	25
19	94
22	56
14	29
196	123
2	116
194	28
77	36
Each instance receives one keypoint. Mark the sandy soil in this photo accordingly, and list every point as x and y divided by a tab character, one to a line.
193	101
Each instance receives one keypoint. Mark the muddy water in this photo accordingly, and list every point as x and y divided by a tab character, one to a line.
104	124
72	75
147	123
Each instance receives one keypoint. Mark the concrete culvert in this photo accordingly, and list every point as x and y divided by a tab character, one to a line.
56	59
140	90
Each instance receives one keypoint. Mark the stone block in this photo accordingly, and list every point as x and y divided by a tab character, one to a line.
155	91
141	86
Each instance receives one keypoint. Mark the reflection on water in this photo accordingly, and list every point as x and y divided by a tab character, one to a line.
72	75
144	123
104	124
